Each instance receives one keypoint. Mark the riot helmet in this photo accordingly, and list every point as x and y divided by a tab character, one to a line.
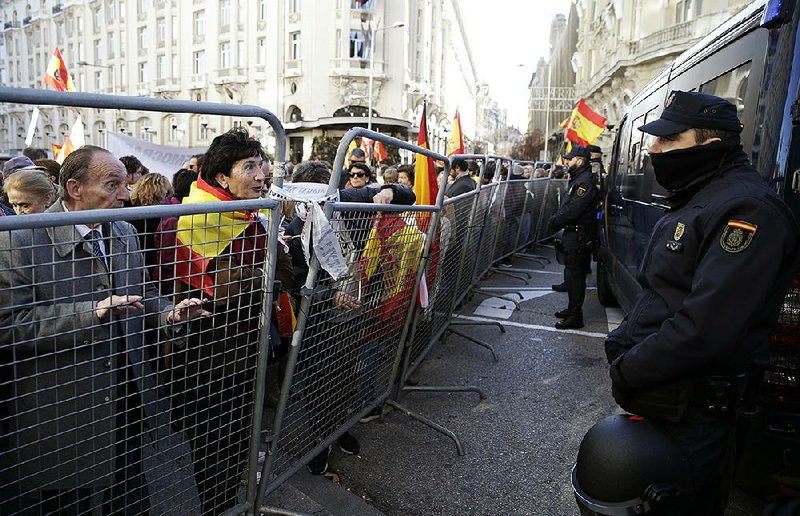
627	465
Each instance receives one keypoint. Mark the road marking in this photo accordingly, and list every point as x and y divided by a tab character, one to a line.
521	289
532	326
614	317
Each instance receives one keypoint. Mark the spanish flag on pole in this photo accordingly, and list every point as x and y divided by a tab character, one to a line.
455	145
75	140
57	75
426	187
584	125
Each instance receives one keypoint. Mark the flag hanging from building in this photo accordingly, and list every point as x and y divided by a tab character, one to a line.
426	187
56	75
584	125
455	145
75	140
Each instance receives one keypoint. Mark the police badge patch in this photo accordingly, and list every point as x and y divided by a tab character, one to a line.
679	229
737	235
581	191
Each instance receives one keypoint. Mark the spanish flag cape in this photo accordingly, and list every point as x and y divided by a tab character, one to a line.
203	237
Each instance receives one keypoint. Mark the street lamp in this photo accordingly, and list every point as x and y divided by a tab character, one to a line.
109	67
372	32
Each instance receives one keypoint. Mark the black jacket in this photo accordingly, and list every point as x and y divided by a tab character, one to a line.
460	186
714	276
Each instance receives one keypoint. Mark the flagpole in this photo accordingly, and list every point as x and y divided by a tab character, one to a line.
372	31
547	107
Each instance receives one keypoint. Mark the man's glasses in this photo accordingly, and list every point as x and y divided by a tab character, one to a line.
358	174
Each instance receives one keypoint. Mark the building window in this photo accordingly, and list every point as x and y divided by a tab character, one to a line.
358	44
142	37
225	13
161	24
78	24
111	44
364	5
97	49
261	57
262	10
241	54
98	81
294	6
175	29
142	73
199	62
98	20
683	11
294	51
225	55
161	67
200	23
143	6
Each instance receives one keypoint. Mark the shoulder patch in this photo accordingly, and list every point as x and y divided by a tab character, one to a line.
679	230
737	235
581	191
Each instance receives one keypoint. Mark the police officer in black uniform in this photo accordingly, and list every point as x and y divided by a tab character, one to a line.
577	216
714	275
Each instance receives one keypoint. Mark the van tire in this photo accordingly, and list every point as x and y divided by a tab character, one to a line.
604	293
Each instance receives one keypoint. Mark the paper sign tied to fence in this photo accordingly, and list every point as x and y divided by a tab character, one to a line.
316	227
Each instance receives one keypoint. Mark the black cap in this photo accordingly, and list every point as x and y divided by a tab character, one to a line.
594	148
578	152
693	110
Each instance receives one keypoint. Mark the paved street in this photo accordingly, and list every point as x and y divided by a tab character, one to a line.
547	389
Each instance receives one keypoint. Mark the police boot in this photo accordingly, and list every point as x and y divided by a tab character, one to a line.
563	314
573	322
561	287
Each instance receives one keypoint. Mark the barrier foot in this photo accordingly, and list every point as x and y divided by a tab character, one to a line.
503	296
444	388
428	422
265	509
476	341
464	322
511	274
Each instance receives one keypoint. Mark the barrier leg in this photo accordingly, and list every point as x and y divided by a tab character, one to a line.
428	422
514	275
473	340
462	322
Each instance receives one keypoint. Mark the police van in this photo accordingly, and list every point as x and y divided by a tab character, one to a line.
752	60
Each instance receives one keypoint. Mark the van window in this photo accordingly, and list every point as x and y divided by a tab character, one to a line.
731	86
637	183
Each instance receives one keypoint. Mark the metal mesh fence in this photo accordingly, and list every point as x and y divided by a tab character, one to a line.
345	364
514	194
130	359
554	192
535	190
490	205
442	277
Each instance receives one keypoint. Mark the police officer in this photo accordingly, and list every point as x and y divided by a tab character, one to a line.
714	275
577	217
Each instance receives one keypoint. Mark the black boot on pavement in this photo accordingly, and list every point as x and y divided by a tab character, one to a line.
319	464
348	444
561	287
563	314
573	322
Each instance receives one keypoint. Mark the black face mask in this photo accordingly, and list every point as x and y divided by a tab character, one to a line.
678	169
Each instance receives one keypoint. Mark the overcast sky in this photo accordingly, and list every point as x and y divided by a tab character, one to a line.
503	35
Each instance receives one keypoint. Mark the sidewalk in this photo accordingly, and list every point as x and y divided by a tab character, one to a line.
520	443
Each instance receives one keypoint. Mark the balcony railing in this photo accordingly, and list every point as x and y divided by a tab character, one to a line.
356	66
294	68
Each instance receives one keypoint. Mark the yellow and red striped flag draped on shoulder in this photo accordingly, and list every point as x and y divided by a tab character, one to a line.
455	145
426	187
203	237
584	125
57	75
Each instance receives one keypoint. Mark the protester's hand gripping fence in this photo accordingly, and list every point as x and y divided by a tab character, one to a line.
130	408
345	353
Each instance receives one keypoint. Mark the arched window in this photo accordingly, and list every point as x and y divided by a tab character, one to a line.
354	111
294	114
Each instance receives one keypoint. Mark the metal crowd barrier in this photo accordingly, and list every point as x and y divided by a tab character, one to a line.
126	413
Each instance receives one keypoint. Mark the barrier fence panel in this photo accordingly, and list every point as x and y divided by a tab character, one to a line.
532	218
91	394
555	191
354	315
118	396
491	202
511	215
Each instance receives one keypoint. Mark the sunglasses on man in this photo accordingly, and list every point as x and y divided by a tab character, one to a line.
358	174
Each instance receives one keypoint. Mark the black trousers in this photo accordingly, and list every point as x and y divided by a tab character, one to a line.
577	264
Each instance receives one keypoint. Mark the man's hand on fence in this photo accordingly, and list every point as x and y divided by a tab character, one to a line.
118	305
187	310
385	196
343	300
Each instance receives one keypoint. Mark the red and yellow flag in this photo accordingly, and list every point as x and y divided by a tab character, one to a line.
75	140
379	151
57	75
455	145
426	187
584	125
203	237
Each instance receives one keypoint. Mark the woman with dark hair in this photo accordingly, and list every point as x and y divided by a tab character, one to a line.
182	182
220	257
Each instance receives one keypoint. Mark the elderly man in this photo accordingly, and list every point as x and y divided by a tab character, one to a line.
87	429
462	182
